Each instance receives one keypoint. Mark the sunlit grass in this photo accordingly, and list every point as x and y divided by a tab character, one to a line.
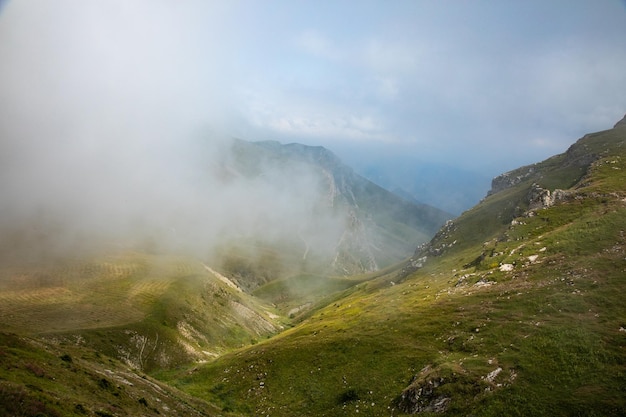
544	336
541	339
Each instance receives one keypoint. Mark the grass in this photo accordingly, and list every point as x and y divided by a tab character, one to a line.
151	312
298	294
364	352
39	379
543	338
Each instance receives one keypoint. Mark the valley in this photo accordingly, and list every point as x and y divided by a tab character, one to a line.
513	308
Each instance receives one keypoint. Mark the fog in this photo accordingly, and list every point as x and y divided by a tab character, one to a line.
182	196
116	133
114	115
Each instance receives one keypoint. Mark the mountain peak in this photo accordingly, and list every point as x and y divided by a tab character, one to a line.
331	217
311	154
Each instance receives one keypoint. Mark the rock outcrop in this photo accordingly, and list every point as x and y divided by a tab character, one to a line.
423	396
511	178
539	198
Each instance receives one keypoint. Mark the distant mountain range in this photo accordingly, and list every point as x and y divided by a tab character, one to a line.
447	187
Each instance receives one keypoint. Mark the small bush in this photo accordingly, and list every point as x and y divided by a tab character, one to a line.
348	396
104	383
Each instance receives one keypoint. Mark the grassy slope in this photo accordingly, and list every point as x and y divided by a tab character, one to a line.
39	379
116	317
149	311
543	339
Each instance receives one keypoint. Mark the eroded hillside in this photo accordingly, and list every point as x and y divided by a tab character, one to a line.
151	312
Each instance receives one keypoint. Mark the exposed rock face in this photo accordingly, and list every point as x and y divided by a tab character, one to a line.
434	389
576	156
436	247
511	178
419	399
423	396
539	198
354	251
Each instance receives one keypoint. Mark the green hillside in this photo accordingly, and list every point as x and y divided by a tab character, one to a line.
63	379
150	311
515	308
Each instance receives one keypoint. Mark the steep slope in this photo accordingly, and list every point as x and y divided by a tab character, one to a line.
340	222
514	308
133	302
61	379
257	211
567	177
149	311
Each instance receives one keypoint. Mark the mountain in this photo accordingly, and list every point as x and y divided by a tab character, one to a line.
287	208
513	308
331	219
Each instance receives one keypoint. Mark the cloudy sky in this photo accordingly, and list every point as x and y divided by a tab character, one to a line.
464	88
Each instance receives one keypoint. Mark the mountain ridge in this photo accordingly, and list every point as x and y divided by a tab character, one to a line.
372	227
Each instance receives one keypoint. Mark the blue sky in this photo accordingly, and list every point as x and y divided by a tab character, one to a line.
468	89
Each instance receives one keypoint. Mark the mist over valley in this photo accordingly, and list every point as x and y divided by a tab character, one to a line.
215	196
296	208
